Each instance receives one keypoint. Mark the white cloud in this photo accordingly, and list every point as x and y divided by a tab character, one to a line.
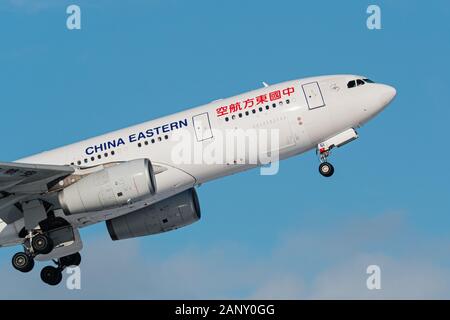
400	279
280	286
327	261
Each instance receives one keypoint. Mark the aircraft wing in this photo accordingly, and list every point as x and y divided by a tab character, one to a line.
26	179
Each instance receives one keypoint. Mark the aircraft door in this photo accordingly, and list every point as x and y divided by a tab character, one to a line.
313	95
202	127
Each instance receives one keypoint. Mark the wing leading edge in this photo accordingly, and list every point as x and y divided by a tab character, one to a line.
21	178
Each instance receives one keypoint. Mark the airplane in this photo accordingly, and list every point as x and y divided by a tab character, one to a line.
131	180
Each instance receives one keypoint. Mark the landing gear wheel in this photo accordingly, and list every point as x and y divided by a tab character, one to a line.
42	244
51	275
326	169
22	262
71	260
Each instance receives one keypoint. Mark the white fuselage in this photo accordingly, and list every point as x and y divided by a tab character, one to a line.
304	114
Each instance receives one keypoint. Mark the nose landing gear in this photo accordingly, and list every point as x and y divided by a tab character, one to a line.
323	149
326	169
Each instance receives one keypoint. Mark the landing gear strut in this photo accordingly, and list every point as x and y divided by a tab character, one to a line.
326	169
36	240
38	243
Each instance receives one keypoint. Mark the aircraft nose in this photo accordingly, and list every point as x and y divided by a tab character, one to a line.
388	94
379	97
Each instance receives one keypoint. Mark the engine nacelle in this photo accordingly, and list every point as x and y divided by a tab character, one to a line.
169	214
109	188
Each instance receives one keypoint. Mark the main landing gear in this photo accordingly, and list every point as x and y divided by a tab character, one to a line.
326	169
24	262
53	275
35	244
43	232
41	244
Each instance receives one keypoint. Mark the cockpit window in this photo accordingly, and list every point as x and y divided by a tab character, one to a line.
351	84
358	82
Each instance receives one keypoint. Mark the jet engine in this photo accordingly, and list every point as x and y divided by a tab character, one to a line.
109	188
169	214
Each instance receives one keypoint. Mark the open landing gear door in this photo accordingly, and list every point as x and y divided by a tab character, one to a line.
67	241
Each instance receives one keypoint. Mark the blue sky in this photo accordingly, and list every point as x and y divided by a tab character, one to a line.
293	235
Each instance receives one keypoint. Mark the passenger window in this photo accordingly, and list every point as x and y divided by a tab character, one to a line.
351	84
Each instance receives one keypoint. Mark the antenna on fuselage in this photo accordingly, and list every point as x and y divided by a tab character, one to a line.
265	84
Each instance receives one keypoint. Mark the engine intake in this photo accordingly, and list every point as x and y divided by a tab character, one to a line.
169	214
109	188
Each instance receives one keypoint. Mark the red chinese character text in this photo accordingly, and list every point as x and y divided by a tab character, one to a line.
222	111
249	103
288	91
235	107
275	95
261	99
